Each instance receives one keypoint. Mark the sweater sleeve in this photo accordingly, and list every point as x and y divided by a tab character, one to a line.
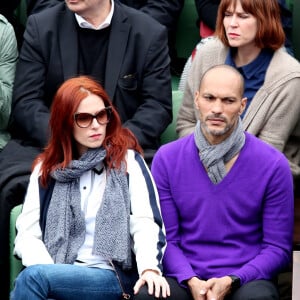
28	243
277	227
146	226
8	59
175	263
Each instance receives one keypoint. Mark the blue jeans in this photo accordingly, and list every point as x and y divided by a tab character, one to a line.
62	282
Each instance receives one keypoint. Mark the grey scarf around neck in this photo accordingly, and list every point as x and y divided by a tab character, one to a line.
65	223
214	157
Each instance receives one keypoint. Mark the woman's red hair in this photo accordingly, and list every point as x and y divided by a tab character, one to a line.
61	147
270	33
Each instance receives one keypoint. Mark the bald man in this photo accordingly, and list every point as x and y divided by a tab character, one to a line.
226	200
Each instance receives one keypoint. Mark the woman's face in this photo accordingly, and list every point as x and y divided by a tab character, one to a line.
93	133
240	26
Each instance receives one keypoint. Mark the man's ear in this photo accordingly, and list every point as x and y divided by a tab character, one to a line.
196	99
243	105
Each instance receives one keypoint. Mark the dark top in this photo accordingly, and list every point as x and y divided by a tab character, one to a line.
254	73
93	45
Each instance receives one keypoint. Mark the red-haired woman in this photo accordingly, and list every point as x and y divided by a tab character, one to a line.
91	226
250	37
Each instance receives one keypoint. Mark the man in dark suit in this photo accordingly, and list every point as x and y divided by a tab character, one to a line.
129	57
128	54
165	12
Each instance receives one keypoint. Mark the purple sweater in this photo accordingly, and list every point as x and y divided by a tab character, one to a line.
241	226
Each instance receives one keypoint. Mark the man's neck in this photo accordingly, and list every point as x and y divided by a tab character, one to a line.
97	17
231	162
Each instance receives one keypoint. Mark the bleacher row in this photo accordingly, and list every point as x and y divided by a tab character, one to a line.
187	38
188	33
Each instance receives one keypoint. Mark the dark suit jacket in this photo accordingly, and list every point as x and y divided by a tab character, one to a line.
137	76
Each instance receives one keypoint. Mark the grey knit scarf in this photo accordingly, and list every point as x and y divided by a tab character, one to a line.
65	223
214	157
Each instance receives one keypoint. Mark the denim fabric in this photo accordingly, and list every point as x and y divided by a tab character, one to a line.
66	282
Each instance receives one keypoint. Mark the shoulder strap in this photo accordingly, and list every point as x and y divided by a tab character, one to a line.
45	198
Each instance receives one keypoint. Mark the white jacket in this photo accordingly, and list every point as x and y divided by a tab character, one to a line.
146	227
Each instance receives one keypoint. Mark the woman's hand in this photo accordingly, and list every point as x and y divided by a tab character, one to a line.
157	284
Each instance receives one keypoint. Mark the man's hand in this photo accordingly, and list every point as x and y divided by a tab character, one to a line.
198	288
212	289
157	284
218	287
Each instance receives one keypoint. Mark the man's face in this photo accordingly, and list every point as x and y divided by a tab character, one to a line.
220	103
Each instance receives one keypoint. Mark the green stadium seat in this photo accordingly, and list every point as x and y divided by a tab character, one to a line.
296	27
20	13
15	263
187	35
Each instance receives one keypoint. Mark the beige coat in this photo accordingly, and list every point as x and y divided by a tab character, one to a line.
274	113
